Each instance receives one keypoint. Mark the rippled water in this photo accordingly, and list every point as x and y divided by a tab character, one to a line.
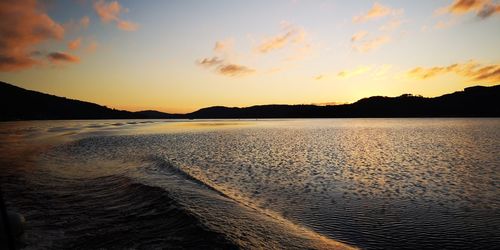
370	183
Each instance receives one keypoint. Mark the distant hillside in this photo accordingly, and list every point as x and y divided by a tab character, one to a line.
476	101
21	104
153	114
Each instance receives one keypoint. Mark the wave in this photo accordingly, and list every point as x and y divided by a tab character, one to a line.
111	212
248	226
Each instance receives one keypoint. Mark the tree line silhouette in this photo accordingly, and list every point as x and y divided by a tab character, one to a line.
479	101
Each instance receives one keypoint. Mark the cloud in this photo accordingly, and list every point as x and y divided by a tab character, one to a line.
234	70
75	26
126	25
371	44
290	34
445	24
300	53
358	36
85	21
75	44
471	70
360	40
372	71
224	46
57	57
355	72
377	11
209	62
488	10
292	40
391	25
464	6
482	8
319	77
110	12
223	67
23	25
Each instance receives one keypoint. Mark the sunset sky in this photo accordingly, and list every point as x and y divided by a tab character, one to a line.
182	55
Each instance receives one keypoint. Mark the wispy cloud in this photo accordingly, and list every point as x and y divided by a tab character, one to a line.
482	8
85	22
127	25
224	46
110	12
443	24
210	62
368	45
234	70
364	42
224	66
290	34
292	42
377	11
75	26
355	72
300	53
359	35
471	70
57	57
75	44
391	25
22	26
319	77
373	71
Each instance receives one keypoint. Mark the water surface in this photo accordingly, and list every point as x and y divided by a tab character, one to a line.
369	183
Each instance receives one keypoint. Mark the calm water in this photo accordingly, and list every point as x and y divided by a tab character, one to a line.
369	183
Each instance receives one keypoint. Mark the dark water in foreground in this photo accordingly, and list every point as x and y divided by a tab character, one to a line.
370	183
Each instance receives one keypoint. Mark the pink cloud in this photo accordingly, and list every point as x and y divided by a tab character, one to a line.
358	36
290	34
371	44
23	25
75	44
126	25
85	21
110	12
482	8
377	11
57	57
223	67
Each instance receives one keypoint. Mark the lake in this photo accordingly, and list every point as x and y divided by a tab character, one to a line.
291	183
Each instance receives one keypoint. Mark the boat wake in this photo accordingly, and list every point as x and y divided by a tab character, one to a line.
91	193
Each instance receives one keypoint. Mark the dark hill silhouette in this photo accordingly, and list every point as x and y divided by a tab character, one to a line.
21	104
476	101
153	114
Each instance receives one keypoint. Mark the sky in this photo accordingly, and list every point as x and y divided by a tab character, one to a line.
178	56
